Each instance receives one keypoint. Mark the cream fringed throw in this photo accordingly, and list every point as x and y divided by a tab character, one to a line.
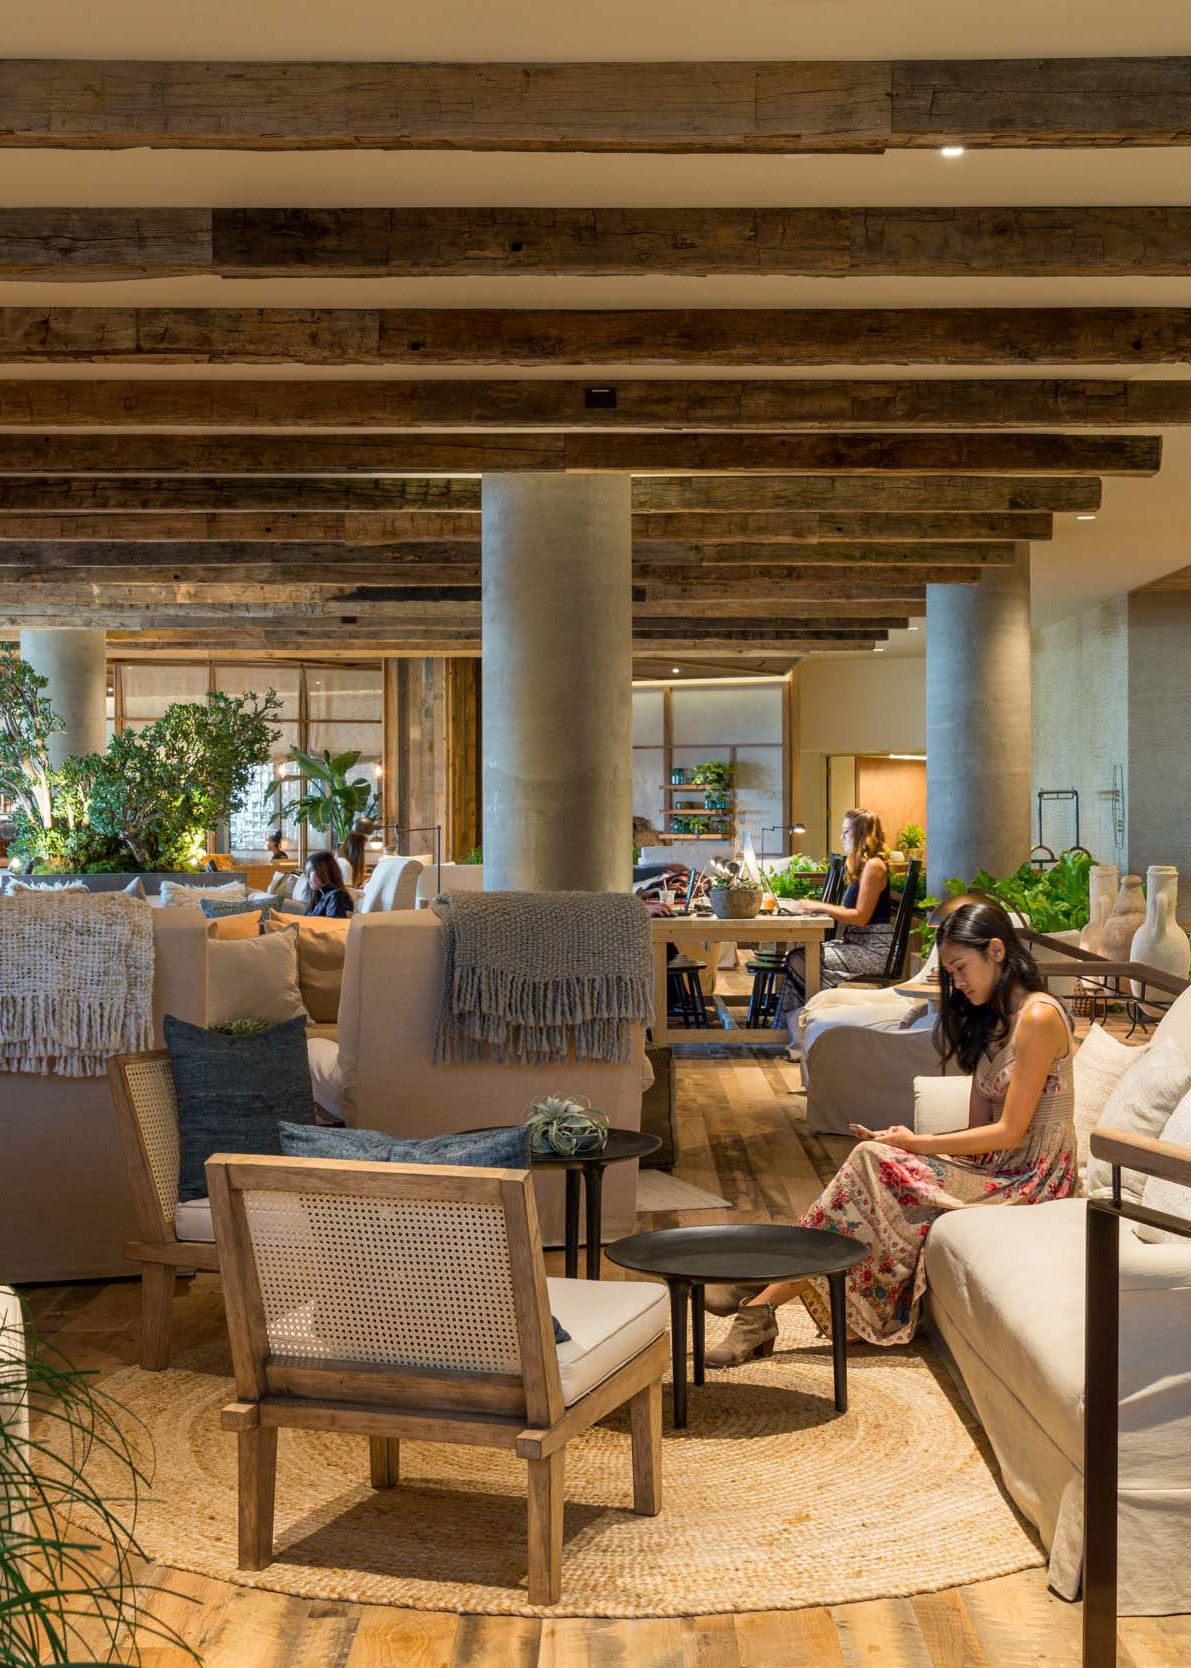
76	981
542	977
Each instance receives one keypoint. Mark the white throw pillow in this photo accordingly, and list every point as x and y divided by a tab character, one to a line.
1167	1196
941	1104
254	978
1100	1063
1141	1103
175	894
58	886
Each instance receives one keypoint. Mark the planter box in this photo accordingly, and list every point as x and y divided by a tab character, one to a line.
151	882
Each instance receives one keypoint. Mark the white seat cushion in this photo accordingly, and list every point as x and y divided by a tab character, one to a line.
609	1321
192	1220
326	1077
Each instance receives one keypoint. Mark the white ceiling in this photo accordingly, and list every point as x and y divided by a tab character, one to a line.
1144	529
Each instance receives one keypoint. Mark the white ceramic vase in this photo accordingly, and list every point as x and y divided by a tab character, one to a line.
1160	942
1128	913
1103	880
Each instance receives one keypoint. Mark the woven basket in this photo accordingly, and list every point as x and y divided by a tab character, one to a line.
735	903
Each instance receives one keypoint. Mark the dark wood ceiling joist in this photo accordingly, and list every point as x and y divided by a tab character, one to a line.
954	497
926	453
534	337
617	107
813	405
74	244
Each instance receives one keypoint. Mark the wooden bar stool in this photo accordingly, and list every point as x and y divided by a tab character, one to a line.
684	994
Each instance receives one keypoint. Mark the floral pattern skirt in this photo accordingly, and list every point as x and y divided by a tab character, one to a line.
889	1198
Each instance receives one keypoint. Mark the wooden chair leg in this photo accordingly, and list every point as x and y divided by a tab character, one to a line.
384	1461
257	1458
157	1311
645	1421
545	1528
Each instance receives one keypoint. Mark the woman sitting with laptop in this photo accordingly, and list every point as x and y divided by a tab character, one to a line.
865	915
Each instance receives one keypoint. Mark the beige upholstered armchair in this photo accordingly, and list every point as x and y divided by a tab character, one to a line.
411	1301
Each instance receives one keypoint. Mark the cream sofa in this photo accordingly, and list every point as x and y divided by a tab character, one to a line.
385	1077
456	877
1006	1297
65	1204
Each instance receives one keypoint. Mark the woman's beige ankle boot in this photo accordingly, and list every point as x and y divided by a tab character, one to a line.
725	1300
754	1333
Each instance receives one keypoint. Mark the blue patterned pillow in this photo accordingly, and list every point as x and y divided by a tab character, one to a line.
214	908
487	1149
233	1092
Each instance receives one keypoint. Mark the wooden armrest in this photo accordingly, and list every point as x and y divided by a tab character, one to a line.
1142	1152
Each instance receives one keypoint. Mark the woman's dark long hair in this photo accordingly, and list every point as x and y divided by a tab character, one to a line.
353	849
964	1031
325	873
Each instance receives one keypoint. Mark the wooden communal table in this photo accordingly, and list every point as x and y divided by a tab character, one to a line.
691	932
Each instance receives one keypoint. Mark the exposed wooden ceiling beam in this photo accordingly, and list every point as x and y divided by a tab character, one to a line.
74	244
962	495
622	107
806	404
693	336
376	528
992	453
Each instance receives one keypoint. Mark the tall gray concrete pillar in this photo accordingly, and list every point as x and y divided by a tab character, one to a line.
978	724
557	683
74	662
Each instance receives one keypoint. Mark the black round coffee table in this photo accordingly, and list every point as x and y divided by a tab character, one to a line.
688	1259
622	1144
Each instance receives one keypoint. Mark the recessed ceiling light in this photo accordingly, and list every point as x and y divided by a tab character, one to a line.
913	628
879	648
951	150
1085	518
676	671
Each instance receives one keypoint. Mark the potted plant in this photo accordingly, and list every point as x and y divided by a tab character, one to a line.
715	778
331	803
911	840
735	897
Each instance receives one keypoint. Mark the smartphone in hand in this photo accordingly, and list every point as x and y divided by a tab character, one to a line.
861	1133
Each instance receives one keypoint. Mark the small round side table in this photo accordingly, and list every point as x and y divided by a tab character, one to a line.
622	1144
688	1259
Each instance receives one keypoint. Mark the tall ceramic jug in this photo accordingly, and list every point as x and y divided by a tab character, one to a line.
1128	913
1102	891
1160	942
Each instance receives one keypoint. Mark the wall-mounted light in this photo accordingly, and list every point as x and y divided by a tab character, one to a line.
951	151
1085	518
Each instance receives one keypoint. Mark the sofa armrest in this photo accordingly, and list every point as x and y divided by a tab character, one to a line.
1144	1153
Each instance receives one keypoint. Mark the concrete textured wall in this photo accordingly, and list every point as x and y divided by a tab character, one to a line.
1159	788
1080	724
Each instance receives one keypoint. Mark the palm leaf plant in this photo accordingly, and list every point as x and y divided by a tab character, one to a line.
330	802
70	1480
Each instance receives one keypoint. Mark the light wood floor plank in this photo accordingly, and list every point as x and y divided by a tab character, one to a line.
788	1639
511	1641
944	1623
710	1642
883	1631
599	1642
413	1638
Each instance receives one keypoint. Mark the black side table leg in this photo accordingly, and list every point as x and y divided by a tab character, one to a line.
697	1333
839	1341
678	1294
593	1184
572	1225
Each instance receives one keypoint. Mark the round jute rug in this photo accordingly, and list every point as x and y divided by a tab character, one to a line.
770	1499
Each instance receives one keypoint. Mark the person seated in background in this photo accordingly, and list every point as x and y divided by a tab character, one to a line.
865	914
352	852
275	844
328	895
1016	1040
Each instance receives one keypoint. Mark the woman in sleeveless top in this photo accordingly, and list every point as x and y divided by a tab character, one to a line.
996	1021
865	917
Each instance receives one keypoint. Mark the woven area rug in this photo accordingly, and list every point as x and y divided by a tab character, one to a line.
770	1500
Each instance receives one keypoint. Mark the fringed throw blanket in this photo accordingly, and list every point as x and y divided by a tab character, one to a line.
539	978
76	981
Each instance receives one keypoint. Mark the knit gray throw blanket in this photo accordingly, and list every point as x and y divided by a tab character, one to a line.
540	978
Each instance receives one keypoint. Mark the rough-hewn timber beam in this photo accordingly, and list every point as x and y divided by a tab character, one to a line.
535	336
930	453
364	529
74	244
782	495
808	404
759	106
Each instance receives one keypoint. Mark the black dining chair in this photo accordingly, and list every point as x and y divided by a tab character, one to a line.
768	966
894	970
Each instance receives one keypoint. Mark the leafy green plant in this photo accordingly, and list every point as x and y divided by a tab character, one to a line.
911	838
241	1027
802	877
476	855
331	803
734	883
67	1547
1054	899
715	773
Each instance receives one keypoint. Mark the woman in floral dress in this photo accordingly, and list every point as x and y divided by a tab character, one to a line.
998	1024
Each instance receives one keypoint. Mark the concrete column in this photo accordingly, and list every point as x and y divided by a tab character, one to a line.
557	683
978	724
75	665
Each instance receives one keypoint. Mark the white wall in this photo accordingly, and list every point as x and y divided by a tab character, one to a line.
863	705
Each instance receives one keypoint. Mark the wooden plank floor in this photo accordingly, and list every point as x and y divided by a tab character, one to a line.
737	1114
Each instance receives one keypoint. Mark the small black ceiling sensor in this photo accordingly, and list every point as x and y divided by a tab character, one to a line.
349	619
599	399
